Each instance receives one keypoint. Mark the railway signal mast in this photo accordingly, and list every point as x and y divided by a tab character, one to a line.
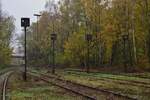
25	22
125	39
53	38
88	38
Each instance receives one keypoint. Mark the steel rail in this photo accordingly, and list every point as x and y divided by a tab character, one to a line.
5	83
49	79
123	82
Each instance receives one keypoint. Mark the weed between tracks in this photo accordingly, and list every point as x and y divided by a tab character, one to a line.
131	90
35	89
139	92
96	80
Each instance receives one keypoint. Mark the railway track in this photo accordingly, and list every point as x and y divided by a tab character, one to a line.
90	93
7	70
4	85
123	82
114	77
138	75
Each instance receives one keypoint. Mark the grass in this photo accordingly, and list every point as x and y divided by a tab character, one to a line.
35	89
119	77
136	77
41	93
108	82
95	80
141	75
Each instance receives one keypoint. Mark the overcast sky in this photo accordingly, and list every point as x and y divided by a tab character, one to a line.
22	8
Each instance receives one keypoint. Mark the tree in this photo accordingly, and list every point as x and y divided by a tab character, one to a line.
6	30
109	21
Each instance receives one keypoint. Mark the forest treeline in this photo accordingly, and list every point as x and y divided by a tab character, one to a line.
120	34
7	28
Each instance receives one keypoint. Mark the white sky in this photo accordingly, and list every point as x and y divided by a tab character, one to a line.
22	8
